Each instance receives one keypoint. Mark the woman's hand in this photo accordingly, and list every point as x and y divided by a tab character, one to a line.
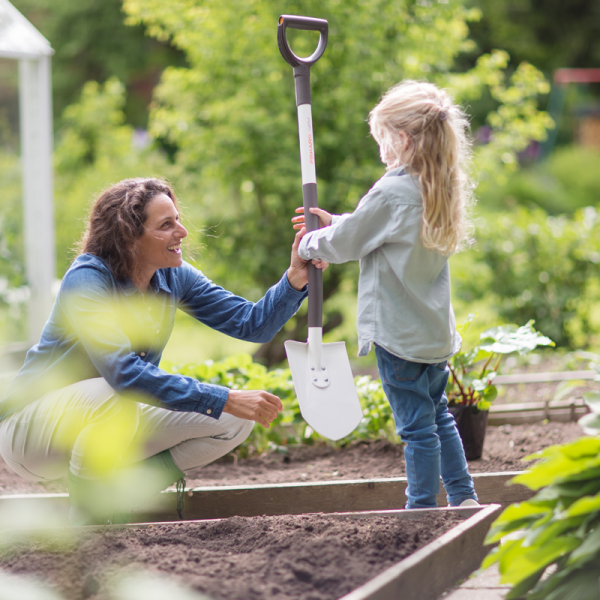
297	274
253	405
324	217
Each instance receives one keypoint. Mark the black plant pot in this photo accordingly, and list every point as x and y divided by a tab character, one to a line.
471	424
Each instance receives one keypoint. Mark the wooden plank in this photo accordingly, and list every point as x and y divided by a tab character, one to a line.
290	498
563	411
435	568
544	377
322	497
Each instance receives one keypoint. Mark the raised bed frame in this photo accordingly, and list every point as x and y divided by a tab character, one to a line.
290	498
424	575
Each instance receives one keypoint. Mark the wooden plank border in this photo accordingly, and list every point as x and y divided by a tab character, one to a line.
321	497
435	568
290	498
533	412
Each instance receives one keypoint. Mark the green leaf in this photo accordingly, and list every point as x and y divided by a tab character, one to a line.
592	399
590	423
518	591
589	548
580	585
508	338
521	563
583	506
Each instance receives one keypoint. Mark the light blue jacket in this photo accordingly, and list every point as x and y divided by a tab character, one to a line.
102	327
404	289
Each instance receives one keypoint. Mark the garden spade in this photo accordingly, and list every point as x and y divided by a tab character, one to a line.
321	372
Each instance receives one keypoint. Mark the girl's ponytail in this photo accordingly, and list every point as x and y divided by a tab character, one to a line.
417	125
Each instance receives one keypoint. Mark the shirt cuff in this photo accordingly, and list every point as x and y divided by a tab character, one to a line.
212	400
302	251
299	294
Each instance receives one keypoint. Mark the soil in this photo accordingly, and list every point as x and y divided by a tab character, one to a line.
504	450
306	557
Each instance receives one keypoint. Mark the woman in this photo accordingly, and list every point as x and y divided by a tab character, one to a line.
90	401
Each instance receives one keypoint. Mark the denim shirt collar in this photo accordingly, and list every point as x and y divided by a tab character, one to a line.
158	283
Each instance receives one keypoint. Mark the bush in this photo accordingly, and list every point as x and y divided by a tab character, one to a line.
241	373
565	182
542	268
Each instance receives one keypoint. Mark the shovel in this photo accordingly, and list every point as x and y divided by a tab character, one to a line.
321	372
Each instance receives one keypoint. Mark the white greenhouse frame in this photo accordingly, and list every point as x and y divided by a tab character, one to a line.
20	40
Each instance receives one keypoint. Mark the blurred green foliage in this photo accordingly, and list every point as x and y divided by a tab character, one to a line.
231	117
550	35
92	43
567	180
535	266
559	527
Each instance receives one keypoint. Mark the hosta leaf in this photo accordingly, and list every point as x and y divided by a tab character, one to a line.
580	585
521	563
589	547
541	533
583	506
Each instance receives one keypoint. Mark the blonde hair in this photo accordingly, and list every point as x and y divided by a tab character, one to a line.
417	125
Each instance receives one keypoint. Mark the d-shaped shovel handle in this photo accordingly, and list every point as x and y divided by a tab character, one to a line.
306	138
304	24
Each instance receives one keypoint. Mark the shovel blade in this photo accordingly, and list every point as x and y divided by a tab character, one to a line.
333	411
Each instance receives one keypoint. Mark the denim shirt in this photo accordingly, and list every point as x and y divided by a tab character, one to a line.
101	327
404	288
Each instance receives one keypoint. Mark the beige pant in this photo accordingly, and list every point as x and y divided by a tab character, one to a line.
88	429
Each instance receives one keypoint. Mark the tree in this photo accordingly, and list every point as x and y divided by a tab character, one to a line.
548	33
231	114
92	42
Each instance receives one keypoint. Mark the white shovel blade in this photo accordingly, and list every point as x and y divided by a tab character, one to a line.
333	411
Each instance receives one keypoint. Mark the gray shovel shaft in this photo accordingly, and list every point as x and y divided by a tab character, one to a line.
310	200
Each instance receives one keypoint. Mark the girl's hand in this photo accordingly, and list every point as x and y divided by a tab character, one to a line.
298	272
324	217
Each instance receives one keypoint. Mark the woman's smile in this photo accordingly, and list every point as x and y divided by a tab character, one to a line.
159	247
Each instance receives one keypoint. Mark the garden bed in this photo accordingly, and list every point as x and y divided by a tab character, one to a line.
308	557
504	449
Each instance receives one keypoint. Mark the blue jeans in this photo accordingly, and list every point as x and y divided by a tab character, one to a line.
416	393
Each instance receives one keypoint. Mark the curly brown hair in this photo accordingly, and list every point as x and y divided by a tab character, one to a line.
116	222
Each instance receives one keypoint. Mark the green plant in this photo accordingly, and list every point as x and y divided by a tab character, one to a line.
241	130
472	372
556	534
240	372
561	184
533	266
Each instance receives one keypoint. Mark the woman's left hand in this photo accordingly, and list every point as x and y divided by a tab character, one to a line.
298	272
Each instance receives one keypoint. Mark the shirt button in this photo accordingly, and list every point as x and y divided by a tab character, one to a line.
142	354
208	411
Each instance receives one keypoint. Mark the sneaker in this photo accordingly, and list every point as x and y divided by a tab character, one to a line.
469	502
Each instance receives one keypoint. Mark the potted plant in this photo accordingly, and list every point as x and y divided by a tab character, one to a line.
470	388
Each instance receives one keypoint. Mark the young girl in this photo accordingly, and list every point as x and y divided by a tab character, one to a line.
403	232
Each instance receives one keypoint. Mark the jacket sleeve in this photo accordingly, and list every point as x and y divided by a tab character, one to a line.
353	236
235	316
92	313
